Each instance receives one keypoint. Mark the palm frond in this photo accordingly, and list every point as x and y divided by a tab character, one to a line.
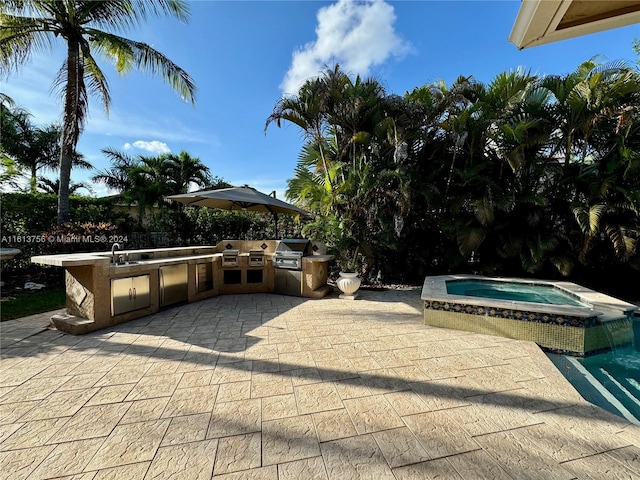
80	162
20	38
588	218
126	14
95	78
484	211
126	54
469	239
117	157
623	244
563	264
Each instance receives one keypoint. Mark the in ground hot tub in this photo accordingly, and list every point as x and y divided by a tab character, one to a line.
559	316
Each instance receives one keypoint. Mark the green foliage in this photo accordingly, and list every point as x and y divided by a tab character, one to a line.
524	175
82	237
145	180
207	226
28	222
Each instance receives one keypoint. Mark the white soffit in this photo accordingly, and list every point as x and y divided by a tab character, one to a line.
545	21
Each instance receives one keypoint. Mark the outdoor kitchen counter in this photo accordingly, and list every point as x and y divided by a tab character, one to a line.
102	258
317	258
91	279
71	259
155	262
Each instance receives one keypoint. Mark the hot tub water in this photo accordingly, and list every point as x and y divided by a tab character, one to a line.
519	292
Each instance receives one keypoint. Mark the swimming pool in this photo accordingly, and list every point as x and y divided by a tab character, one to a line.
610	380
524	309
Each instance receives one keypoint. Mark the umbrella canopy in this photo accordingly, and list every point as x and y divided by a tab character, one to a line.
238	198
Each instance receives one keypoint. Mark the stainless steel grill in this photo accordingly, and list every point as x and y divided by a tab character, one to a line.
289	252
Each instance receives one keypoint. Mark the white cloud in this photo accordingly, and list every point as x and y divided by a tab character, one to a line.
355	34
154	146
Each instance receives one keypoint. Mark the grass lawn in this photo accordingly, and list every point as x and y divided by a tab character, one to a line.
23	304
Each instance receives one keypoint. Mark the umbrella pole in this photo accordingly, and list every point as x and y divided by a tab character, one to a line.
275	219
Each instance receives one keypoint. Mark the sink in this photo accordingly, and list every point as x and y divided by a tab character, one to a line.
122	264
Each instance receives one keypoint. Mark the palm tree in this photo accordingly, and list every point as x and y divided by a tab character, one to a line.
53	186
493	165
146	180
11	117
591	98
183	170
355	112
595	112
30	147
117	177
347	171
308	188
29	26
307	110
140	179
333	105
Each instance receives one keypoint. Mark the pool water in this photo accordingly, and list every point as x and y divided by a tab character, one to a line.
610	380
512	291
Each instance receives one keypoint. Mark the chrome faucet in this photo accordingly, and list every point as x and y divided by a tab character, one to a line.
114	247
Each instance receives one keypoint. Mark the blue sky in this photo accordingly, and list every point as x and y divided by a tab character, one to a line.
243	55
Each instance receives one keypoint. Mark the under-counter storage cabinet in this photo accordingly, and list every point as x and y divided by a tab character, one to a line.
129	293
288	282
173	284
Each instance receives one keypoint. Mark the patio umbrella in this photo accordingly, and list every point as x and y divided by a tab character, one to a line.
239	198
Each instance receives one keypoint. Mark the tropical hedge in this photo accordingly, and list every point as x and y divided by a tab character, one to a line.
28	222
526	175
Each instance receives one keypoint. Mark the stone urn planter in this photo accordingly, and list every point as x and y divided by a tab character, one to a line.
348	283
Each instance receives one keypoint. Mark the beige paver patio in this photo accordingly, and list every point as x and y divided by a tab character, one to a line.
275	387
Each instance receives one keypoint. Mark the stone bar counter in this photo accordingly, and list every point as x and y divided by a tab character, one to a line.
108	288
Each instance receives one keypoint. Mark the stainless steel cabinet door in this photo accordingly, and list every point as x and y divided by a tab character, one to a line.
288	282
141	296
173	284
129	293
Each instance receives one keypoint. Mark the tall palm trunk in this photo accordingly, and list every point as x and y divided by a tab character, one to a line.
33	181
71	126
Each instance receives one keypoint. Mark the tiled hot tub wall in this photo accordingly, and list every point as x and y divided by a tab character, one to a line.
577	332
571	335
